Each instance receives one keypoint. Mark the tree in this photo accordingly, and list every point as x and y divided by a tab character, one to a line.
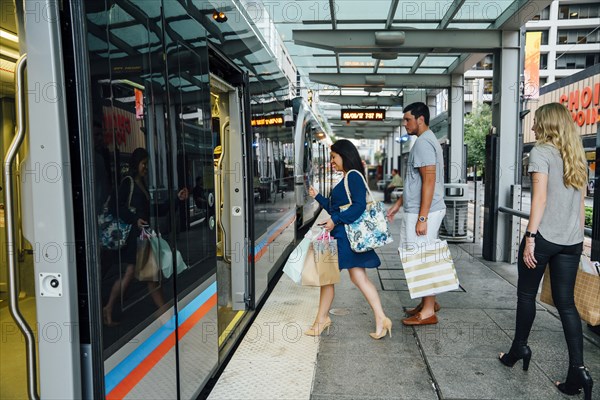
477	125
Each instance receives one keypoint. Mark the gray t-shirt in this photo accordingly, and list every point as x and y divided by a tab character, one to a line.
425	151
561	222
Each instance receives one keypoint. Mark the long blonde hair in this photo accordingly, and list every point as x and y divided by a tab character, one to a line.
554	125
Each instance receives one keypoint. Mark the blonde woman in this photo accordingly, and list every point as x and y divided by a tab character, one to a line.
554	237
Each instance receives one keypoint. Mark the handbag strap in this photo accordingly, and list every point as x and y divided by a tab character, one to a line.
130	190
348	190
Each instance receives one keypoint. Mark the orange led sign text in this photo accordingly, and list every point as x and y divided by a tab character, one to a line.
275	119
376	114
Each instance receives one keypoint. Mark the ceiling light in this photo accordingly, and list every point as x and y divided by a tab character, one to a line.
389	38
8	36
384	56
370	101
373	89
219	16
375	80
574	14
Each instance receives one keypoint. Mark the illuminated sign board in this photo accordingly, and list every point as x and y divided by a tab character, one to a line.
583	104
375	114
275	119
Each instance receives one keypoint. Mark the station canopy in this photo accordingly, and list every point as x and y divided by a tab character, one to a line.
359	53
355	53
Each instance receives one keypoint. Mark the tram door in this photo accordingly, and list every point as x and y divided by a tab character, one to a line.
151	102
36	214
13	368
230	197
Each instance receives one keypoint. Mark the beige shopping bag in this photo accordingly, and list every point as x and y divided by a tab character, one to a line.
428	268
146	265
320	268
587	295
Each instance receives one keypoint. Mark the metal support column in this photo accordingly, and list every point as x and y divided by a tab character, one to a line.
490	210
505	119
457	163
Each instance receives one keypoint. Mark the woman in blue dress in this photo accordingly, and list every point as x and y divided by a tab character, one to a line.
345	157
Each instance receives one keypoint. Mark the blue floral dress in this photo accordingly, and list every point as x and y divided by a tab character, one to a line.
347	258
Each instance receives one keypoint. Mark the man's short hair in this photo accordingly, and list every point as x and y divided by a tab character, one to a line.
418	109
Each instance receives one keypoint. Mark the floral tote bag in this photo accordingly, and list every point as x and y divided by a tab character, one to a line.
371	229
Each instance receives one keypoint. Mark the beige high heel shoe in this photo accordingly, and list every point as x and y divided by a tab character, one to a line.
387	327
318	328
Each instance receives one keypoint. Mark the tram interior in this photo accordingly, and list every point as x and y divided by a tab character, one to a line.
12	346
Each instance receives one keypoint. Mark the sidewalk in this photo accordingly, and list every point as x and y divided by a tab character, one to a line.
455	359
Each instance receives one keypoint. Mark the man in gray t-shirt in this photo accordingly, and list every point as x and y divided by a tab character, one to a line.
423	198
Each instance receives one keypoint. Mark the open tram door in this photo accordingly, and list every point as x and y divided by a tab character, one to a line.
38	293
234	276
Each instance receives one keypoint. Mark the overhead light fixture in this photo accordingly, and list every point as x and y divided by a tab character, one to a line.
574	14
219	16
370	101
8	36
373	89
389	38
375	80
384	56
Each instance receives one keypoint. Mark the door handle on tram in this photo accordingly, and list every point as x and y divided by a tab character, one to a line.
219	195
13	273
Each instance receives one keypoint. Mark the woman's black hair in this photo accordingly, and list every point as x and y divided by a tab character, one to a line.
140	154
349	154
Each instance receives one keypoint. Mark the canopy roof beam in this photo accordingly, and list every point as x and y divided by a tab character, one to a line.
418	40
422	81
382	101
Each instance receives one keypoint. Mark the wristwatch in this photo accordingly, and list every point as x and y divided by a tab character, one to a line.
530	235
422	219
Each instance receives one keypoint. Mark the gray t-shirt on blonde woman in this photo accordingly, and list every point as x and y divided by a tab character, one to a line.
561	222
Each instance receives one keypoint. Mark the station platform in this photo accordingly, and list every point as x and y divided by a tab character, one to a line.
455	359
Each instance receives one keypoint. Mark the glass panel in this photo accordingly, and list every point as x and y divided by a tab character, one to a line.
431	70
359	10
438	61
489	10
273	170
478	25
190	116
422	10
133	149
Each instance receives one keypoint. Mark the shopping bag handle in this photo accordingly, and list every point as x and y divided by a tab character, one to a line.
348	189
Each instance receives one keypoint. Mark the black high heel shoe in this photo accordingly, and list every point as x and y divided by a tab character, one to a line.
577	378
515	354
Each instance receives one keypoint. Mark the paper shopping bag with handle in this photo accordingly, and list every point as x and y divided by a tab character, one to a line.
587	294
429	268
321	263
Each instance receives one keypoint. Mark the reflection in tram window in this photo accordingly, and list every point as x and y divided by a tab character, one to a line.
273	175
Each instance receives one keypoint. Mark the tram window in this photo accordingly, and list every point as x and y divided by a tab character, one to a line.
273	150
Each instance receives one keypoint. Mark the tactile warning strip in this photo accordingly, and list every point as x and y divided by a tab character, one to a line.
275	360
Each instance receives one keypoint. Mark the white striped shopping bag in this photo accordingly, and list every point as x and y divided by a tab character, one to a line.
429	268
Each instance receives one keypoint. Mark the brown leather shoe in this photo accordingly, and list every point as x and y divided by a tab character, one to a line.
418	309
416	320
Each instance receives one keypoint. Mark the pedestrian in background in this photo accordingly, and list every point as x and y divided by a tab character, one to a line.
345	157
423	198
554	237
395	183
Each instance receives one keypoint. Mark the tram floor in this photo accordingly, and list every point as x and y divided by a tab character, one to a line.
13	363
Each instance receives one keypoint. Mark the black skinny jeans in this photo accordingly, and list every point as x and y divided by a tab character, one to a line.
564	263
